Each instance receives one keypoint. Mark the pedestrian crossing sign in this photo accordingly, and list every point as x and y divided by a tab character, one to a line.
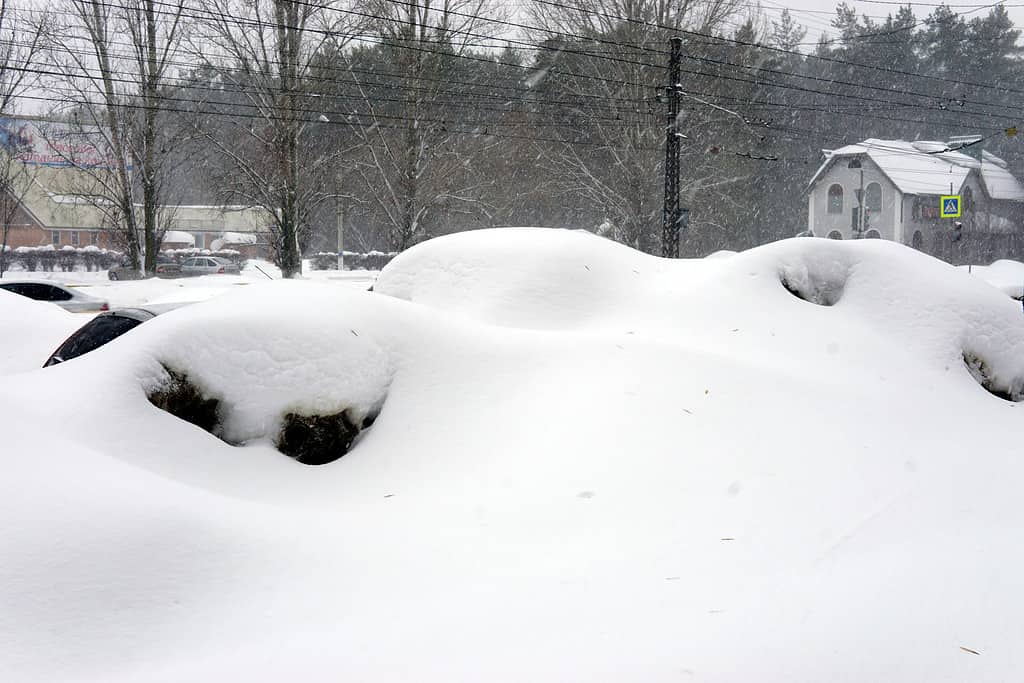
950	206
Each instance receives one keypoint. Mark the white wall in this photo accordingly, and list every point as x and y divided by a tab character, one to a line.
822	222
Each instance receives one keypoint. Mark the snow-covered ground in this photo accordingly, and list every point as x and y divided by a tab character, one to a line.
589	464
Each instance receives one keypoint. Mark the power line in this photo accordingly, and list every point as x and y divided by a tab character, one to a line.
780	50
769	83
342	119
638	63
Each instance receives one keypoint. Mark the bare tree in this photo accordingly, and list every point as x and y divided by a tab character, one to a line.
21	43
263	52
609	56
415	161
114	58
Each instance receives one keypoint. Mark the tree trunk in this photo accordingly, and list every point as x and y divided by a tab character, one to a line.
149	188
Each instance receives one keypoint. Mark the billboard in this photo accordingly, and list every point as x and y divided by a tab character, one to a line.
51	143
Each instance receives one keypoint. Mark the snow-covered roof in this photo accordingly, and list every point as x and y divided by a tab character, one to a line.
178	237
998	181
238	238
920	167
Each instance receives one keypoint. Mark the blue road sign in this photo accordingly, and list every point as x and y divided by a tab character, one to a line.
950	206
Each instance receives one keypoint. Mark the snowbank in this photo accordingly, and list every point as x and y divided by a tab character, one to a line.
1005	275
31	331
588	464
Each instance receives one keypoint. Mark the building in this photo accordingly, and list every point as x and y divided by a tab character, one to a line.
892	189
55	177
243	228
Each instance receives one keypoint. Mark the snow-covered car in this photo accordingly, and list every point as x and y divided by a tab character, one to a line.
208	265
104	328
165	267
65	296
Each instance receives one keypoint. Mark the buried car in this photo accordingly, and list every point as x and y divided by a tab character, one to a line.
65	296
103	328
110	325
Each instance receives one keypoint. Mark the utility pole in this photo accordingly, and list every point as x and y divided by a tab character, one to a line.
341	235
672	215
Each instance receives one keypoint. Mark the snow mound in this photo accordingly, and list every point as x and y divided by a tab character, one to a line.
311	361
573	444
32	330
565	280
1005	275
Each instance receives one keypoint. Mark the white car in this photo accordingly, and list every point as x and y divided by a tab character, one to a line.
65	296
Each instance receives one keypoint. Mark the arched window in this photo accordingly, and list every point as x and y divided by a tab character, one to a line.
968	199
917	242
873	198
835	235
873	235
835	199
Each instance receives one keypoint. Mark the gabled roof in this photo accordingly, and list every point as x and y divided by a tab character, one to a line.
921	167
997	179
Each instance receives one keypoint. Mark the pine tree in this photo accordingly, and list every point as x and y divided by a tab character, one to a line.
786	33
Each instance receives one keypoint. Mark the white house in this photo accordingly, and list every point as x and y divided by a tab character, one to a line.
891	189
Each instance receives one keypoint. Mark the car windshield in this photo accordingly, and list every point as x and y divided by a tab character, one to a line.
95	334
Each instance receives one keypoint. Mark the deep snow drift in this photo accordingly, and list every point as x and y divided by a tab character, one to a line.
588	464
31	330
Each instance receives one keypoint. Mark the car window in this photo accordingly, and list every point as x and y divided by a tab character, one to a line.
40	291
51	293
95	334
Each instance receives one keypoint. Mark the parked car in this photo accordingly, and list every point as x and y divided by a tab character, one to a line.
208	265
65	296
165	267
103	328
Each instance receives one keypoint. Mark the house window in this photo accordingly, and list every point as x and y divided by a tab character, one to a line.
55	237
94	238
873	235
835	235
74	238
968	200
873	198
835	199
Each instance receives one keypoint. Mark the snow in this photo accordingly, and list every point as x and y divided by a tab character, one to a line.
31	330
179	237
590	464
1005	275
232	238
159	291
999	182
